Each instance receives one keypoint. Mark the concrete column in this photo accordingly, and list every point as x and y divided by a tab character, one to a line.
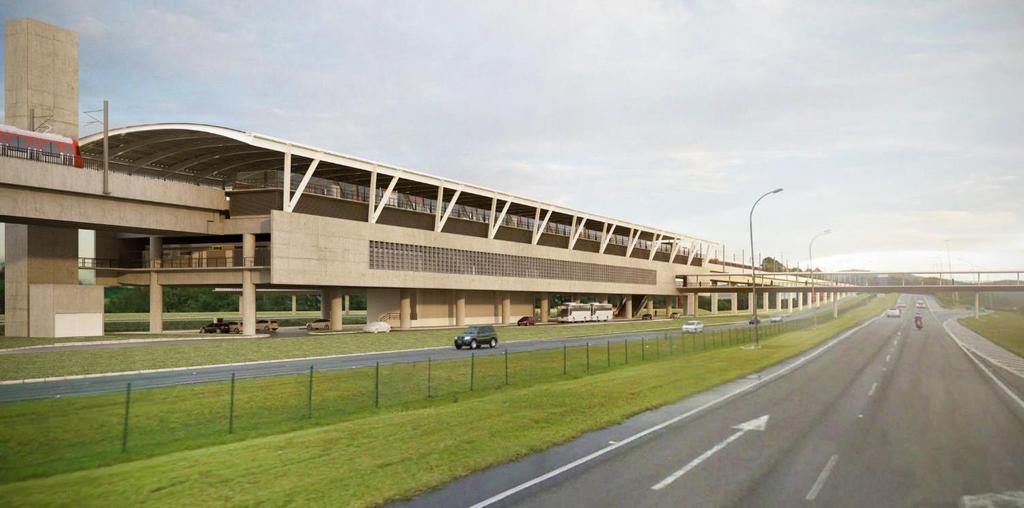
629	306
295	304
460	307
650	305
325	305
735	303
789	301
691	304
764	301
835	308
714	303
156	304
506	308
668	306
800	297
241	304
156	291
545	308
248	287
977	305
347	308
405	309
336	309
602	298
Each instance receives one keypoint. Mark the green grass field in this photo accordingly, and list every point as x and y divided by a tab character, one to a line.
62	363
1003	328
354	454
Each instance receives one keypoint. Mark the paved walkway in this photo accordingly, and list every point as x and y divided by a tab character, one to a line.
987	349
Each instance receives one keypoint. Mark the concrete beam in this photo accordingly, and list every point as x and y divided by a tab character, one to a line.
538	230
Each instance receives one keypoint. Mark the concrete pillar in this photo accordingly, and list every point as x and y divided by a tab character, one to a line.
668	306
405	309
764	301
835	308
628	314
156	291
977	305
602	298
336	309
240	304
347	303
691	304
248	287
714	303
325	305
295	304
650	305
735	303
545	308
460	307
800	297
789	301
506	308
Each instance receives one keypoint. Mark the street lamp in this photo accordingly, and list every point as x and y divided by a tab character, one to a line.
753	274
810	261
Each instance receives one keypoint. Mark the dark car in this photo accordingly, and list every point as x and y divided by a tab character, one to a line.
477	336
215	327
647	317
526	321
754	321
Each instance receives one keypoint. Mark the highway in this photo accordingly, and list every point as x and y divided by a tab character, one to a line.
886	416
93	384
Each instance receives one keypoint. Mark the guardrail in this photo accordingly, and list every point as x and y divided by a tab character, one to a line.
19	152
258	261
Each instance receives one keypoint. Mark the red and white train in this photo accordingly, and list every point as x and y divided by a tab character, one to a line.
15	142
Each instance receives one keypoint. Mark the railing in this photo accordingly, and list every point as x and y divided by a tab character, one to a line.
952	280
136	262
397	200
20	152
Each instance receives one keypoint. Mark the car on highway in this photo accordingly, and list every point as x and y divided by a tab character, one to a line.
266	326
319	324
477	336
693	327
647	317
894	312
775	319
377	327
920	304
754	321
526	321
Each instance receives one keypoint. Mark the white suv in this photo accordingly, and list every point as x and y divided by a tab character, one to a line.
693	327
893	313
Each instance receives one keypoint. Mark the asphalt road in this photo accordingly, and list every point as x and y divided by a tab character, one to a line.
887	416
115	383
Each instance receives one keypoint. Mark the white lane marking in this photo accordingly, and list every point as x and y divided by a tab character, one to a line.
996	380
583	460
872	392
887	358
820	482
755	424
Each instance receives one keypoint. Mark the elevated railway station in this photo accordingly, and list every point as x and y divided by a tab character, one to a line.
200	205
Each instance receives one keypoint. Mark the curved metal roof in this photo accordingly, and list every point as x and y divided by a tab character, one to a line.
212	155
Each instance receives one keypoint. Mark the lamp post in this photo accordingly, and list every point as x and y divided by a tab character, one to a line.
753	273
810	260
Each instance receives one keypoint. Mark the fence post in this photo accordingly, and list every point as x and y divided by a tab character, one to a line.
231	407
506	366
608	346
472	370
657	348
625	343
376	385
643	349
127	409
564	366
428	377
309	395
588	358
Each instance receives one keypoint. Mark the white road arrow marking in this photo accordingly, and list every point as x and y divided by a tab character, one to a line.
755	424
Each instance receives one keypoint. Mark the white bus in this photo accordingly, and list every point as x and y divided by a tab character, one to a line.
583	312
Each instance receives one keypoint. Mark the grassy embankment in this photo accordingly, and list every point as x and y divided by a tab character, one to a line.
156	356
374	456
1003	328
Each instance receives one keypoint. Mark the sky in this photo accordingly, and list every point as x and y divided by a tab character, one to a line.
897	125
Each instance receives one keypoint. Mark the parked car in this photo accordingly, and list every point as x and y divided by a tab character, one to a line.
754	321
893	313
526	321
647	317
319	324
234	327
477	336
693	327
775	319
266	326
675	315
377	327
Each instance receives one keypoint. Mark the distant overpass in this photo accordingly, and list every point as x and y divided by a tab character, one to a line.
857	282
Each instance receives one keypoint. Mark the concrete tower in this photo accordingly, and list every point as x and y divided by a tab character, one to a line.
41	76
